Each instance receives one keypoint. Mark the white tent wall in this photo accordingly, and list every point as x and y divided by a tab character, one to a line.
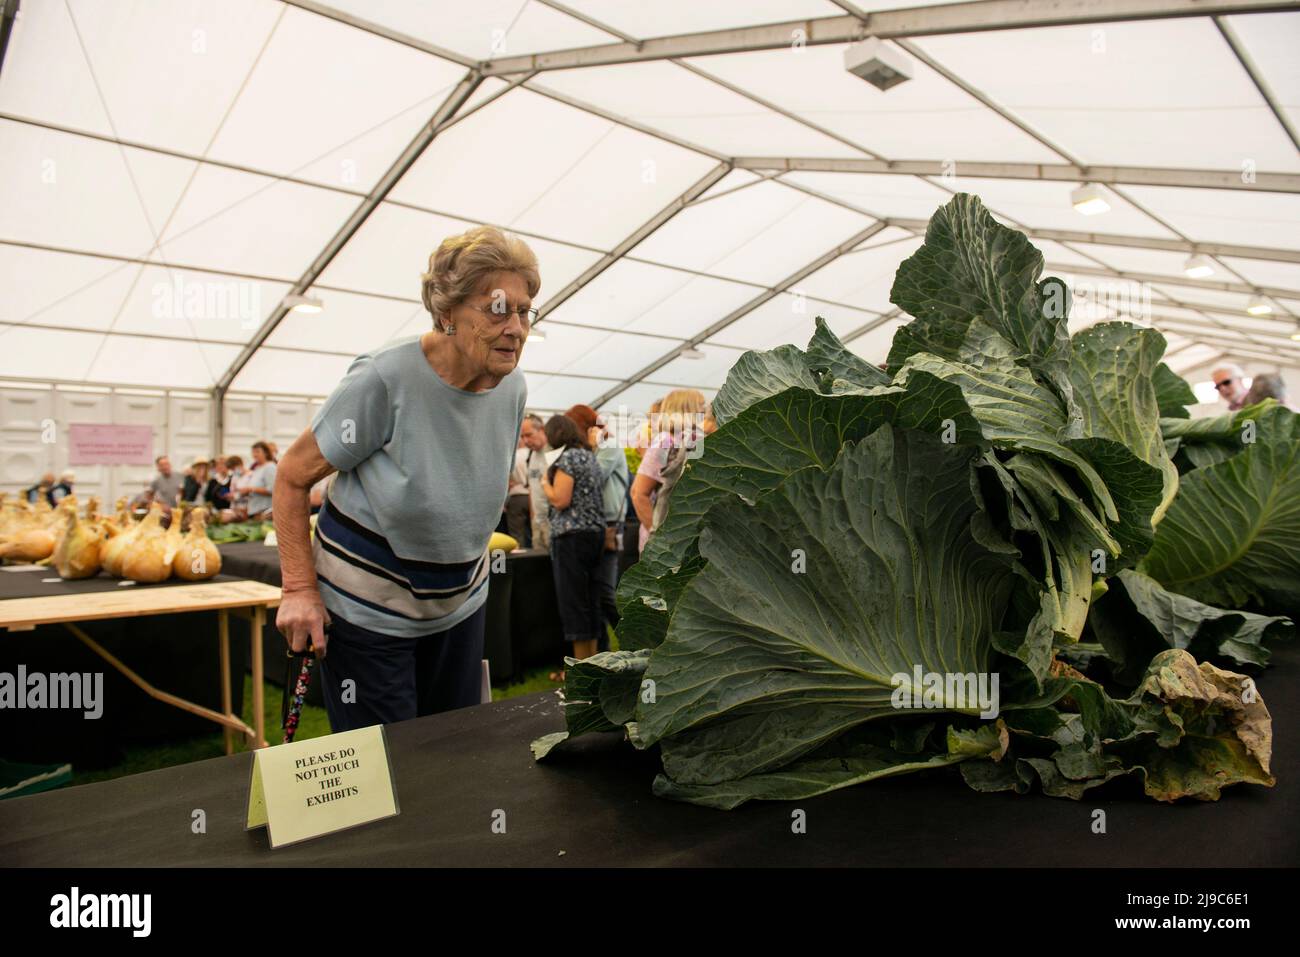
253	418
689	175
34	434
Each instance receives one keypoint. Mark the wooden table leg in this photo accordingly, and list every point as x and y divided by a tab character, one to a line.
257	624
223	640
163	696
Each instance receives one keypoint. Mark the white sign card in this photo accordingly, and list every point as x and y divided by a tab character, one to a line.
318	786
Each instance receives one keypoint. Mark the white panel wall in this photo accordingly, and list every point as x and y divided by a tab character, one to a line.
284	421
243	425
189	429
182	424
275	420
24	456
26	450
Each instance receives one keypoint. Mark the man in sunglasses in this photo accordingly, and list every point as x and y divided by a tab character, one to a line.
1228	380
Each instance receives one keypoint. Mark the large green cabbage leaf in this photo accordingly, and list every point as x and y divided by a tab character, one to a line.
823	590
845	526
1137	618
1232	536
754	452
972	267
1173	393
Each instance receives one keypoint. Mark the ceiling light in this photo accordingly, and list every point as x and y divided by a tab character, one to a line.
690	352
1259	306
305	304
1296	335
880	64
1089	200
1198	267
536	335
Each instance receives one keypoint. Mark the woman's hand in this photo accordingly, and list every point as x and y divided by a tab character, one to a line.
302	617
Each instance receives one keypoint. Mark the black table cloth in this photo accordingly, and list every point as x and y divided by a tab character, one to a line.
593	806
253	560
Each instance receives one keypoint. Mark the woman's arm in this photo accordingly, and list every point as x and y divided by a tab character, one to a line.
643	486
560	492
302	614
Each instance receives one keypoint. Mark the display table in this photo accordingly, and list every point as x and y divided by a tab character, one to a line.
32	598
594	807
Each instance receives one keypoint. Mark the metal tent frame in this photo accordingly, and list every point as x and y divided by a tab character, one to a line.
899	25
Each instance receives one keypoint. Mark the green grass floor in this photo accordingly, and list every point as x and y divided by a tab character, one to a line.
313	723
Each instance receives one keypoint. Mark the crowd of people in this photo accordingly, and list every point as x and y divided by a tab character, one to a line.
571	493
231	491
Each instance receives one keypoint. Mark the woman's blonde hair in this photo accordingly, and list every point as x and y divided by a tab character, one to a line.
461	264
680	409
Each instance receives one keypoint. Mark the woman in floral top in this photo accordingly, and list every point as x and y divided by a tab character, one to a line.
573	488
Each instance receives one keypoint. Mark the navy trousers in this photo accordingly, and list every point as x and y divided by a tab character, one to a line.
575	564
394	679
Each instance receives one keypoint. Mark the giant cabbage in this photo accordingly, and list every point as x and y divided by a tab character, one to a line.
850	535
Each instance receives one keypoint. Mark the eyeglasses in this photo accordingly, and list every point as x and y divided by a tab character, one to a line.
1224	384
500	313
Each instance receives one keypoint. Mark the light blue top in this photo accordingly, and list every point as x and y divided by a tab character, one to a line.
423	473
261	477
613	469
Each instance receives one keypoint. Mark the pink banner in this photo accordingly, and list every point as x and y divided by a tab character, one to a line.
110	444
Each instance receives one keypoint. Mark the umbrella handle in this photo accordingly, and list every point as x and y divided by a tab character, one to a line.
300	680
293	703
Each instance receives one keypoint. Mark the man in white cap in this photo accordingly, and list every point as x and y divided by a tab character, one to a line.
1229	381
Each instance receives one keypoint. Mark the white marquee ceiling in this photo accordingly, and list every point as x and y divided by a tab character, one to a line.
171	169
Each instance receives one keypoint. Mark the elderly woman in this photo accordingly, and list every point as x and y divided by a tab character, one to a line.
421	435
